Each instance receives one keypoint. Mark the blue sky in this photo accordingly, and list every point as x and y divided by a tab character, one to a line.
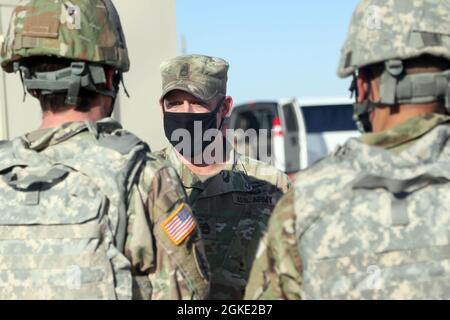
276	49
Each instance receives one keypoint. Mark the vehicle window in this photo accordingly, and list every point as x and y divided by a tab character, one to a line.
255	116
247	120
329	118
258	117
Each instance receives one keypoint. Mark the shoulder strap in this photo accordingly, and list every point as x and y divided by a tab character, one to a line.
15	154
123	144
400	191
49	176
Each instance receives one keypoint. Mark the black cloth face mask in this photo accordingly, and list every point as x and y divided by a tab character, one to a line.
173	122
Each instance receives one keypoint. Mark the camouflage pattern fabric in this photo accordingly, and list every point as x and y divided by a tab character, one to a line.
402	137
383	30
233	208
155	267
60	28
202	76
368	222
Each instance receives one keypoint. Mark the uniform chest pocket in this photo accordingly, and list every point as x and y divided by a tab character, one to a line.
258	209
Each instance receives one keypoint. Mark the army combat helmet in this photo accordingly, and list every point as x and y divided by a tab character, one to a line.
87	33
390	32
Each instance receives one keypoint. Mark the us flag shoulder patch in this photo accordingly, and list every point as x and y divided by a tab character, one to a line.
180	224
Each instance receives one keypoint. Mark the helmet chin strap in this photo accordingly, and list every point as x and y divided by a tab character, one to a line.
398	88
362	111
361	115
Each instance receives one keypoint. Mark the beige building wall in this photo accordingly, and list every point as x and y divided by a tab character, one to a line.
150	29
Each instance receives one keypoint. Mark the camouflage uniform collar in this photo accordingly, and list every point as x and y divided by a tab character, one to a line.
429	152
401	137
234	165
41	139
187	176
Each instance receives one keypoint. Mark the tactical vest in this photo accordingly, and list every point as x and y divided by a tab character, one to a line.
63	217
375	225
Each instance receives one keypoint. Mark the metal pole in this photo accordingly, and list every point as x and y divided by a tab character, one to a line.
4	107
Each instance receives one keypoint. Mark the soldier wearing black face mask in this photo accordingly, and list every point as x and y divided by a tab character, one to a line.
195	125
232	195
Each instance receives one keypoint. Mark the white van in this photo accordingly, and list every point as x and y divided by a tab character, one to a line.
301	131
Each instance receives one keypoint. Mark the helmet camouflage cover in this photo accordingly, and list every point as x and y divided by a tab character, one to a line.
383	30
80	30
390	32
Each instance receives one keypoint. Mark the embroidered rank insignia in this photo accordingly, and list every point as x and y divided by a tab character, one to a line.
180	224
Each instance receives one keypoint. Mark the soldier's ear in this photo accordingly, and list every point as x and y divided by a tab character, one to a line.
34	94
363	86
109	73
227	106
163	108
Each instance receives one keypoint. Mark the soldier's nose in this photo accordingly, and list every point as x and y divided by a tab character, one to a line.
187	107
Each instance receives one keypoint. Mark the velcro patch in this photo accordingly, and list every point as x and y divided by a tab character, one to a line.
45	25
180	224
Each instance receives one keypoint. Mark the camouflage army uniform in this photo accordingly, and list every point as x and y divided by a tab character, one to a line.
161	270
277	271
233	208
370	221
233	205
148	262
